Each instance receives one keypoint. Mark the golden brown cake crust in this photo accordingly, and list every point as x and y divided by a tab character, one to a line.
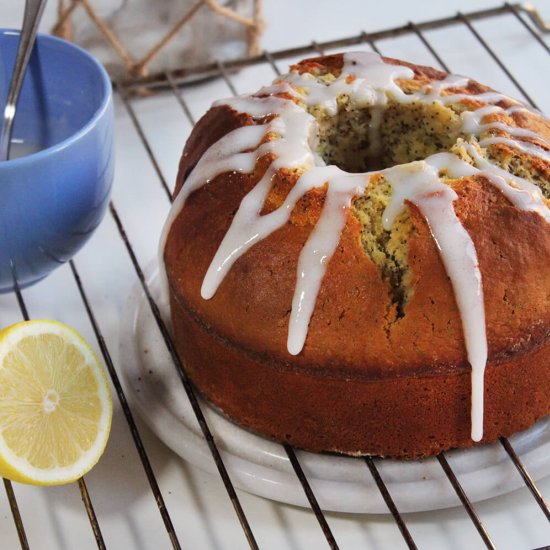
368	380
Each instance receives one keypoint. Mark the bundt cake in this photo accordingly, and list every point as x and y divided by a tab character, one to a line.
357	259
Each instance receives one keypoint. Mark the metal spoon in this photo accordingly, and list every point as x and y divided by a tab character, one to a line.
31	19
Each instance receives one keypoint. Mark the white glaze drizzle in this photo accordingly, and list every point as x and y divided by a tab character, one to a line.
367	81
375	143
525	146
521	193
435	202
471	123
320	246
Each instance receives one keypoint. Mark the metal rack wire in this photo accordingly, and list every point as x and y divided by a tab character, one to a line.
175	82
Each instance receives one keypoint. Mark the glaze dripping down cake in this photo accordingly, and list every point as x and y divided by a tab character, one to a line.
357	259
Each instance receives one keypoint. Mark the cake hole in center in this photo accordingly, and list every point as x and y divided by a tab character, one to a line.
361	140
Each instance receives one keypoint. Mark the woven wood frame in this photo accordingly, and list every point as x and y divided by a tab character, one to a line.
139	67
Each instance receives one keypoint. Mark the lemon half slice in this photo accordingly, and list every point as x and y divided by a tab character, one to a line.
55	404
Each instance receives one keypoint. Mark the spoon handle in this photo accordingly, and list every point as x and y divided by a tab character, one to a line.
31	19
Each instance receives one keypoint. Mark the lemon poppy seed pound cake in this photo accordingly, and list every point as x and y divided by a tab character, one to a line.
357	259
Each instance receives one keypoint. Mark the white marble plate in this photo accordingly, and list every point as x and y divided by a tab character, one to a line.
261	467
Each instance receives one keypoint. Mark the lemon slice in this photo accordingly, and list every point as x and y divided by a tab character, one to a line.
55	404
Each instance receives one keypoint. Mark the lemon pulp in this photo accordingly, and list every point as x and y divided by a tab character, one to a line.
55	404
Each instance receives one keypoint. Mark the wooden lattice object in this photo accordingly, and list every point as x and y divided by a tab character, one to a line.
136	37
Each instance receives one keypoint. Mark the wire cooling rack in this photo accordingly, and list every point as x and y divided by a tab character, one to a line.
99	278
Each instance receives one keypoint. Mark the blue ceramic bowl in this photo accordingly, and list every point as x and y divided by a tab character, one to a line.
52	199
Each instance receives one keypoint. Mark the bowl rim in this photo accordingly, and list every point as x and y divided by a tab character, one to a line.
104	105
